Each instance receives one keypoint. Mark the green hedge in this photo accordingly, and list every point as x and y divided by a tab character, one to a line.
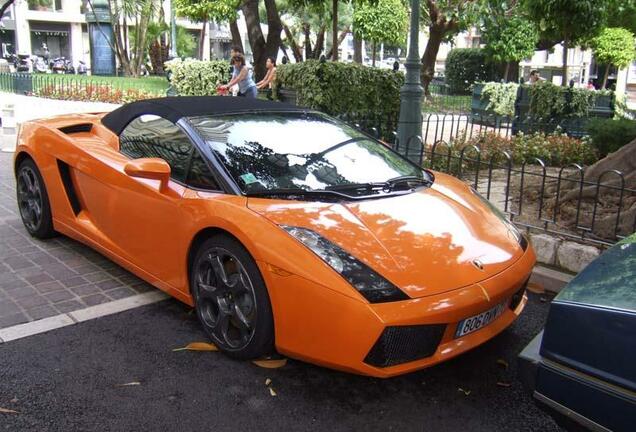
466	66
609	135
350	90
196	77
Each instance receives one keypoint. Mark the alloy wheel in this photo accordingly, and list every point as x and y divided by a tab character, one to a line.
225	298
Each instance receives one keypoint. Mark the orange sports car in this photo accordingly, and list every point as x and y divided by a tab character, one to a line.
288	230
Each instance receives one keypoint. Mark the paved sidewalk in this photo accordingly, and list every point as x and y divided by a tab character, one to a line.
40	279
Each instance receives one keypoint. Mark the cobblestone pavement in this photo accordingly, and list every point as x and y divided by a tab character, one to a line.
39	279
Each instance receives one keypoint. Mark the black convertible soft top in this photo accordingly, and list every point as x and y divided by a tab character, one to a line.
174	108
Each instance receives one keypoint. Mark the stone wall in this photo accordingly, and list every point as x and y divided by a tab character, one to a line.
564	254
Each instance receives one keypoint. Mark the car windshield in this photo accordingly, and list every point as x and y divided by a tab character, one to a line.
304	152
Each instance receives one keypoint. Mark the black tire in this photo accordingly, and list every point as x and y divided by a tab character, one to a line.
231	299
33	201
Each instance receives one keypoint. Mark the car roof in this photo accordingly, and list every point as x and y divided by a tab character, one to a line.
175	108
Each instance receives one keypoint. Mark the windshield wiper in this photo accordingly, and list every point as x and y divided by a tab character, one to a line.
298	192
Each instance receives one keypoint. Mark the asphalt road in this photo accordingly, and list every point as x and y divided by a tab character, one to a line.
71	380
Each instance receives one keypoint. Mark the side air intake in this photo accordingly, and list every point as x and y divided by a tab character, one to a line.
65	174
76	128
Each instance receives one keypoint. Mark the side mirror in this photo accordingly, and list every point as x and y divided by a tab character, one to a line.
150	168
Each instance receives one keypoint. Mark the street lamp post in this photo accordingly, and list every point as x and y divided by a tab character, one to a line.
410	122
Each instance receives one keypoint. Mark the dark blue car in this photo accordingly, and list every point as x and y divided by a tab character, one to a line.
582	367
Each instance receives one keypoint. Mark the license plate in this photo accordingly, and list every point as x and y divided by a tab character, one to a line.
476	322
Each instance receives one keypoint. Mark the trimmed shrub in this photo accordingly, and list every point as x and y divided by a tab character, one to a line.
196	77
608	135
466	66
89	92
363	94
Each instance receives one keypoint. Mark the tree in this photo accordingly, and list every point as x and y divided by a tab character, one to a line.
386	21
445	19
614	46
262	47
205	10
509	39
569	21
622	13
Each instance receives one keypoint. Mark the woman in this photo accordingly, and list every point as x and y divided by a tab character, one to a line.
270	76
241	76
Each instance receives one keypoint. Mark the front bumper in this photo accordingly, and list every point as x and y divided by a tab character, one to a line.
318	325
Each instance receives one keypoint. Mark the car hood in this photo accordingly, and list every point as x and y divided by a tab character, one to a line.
426	242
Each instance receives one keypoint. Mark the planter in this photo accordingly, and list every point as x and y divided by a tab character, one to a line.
288	96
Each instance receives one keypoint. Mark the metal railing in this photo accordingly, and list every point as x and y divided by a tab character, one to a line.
75	87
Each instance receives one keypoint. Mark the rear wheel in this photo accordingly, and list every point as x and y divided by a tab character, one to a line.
231	299
33	201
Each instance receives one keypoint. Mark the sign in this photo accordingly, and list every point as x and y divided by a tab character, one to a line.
102	55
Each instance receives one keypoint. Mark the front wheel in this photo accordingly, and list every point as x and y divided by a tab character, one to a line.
231	299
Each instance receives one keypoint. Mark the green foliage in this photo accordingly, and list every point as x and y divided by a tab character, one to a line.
608	135
382	21
555	149
195	77
462	13
501	97
204	10
186	42
614	46
509	39
570	20
622	13
345	89
466	66
548	101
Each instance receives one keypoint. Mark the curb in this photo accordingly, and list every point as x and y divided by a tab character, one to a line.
550	279
58	321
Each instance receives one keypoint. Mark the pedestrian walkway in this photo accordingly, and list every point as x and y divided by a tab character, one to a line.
42	279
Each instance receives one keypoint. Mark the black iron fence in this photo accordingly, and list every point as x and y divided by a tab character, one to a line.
81	87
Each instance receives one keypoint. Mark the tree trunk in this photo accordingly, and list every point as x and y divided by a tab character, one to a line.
320	42
436	34
606	76
334	31
307	32
236	35
373	56
202	39
357	49
507	71
261	48
565	63
298	55
341	38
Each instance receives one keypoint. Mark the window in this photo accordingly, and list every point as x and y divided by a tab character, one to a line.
152	136
199	175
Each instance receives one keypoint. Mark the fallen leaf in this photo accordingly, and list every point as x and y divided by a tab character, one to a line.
503	363
198	346
7	411
536	288
132	383
271	391
270	364
466	392
503	384
268	381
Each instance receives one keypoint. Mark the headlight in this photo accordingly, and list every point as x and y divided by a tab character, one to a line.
369	283
521	239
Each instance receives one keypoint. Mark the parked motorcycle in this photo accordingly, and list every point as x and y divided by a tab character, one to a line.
23	63
39	64
61	65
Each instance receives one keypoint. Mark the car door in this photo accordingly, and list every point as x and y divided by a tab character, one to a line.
141	221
